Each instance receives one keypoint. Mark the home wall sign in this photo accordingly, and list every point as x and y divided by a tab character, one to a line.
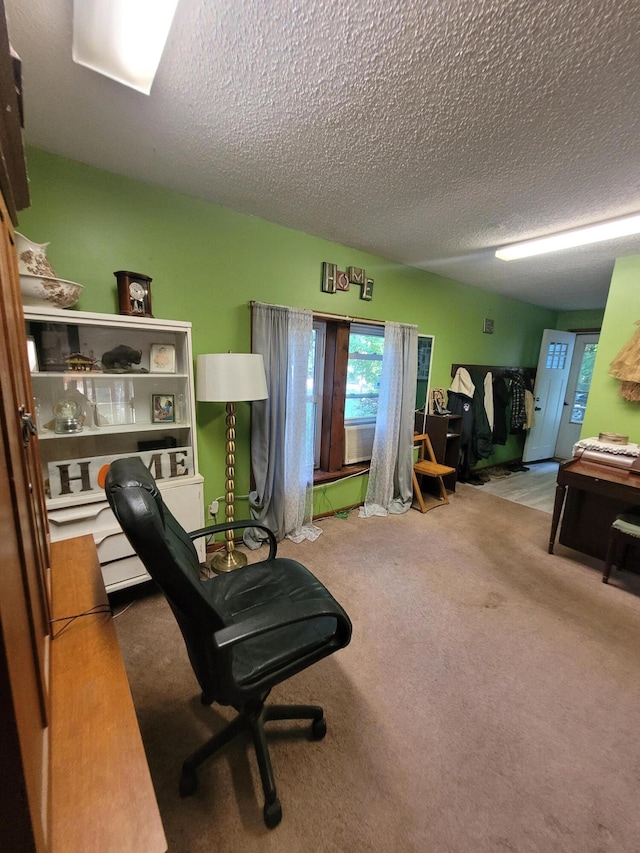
334	280
75	476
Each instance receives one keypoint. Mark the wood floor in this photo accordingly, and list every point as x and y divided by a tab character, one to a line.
535	487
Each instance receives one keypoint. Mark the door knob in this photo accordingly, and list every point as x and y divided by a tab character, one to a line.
538	409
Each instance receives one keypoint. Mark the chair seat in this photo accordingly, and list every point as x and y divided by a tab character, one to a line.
260	587
432	469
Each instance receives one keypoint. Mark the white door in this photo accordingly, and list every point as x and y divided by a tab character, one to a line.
575	399
552	376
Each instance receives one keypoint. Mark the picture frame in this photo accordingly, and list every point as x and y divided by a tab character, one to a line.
162	358
54	344
32	354
163	409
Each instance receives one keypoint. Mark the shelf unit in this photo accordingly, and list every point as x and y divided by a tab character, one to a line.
114	413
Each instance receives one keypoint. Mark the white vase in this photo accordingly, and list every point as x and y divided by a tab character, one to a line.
32	257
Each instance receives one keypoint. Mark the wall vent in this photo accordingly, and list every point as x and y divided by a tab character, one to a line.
358	443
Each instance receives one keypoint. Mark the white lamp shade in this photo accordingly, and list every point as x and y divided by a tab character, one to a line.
227	377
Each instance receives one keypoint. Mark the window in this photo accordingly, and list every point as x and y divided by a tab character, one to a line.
364	365
584	383
315	384
557	356
343	384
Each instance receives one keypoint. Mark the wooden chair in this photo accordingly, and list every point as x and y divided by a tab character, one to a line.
427	466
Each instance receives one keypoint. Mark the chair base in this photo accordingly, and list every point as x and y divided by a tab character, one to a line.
251	718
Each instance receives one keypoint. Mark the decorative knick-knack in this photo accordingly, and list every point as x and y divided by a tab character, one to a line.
32	257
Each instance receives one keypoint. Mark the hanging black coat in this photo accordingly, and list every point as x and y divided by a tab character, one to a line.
482	439
460	404
500	406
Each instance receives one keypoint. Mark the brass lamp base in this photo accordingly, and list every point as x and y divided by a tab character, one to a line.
227	561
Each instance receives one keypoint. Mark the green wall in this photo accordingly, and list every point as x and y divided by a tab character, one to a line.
606	410
572	320
208	262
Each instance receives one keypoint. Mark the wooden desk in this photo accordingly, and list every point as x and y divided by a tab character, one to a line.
592	495
102	797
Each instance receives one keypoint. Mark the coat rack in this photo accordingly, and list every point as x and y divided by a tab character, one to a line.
528	373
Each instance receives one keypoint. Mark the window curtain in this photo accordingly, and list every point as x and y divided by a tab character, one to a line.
390	488
282	426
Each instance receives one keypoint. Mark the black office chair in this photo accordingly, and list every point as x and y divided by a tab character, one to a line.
245	630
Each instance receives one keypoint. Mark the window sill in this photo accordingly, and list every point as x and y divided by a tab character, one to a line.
320	476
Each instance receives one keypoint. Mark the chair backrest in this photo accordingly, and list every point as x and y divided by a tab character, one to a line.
425	448
168	554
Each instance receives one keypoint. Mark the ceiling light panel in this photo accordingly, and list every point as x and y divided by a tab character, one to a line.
569	239
122	39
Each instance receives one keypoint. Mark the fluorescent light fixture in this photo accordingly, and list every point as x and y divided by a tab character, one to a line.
623	227
122	39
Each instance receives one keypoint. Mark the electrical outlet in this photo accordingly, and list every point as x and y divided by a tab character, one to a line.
214	506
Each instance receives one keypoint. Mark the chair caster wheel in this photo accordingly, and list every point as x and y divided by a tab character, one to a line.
188	783
272	814
319	729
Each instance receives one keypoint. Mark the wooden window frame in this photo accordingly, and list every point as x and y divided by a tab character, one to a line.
336	360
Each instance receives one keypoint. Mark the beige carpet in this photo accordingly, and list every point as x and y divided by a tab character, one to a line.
489	700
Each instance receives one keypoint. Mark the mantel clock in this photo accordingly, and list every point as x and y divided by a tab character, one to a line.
134	293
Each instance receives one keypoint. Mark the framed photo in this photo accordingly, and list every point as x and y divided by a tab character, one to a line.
32	354
162	358
54	344
163	409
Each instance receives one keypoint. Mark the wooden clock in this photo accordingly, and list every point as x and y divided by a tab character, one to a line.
134	293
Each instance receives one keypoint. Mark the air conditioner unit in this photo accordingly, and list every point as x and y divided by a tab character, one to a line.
358	443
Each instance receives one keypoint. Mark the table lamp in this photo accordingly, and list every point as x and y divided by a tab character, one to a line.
230	377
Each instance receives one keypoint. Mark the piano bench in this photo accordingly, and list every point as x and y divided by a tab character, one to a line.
623	533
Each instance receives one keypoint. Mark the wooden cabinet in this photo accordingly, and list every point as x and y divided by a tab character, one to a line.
120	810
444	432
102	796
107	386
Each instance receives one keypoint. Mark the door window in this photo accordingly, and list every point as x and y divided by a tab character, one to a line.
557	356
584	383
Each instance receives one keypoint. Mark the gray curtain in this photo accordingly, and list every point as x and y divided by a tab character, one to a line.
390	487
282	426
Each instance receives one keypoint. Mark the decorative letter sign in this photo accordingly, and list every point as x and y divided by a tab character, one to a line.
334	280
74	476
329	273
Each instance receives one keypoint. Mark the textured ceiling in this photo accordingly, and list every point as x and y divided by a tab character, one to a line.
426	131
